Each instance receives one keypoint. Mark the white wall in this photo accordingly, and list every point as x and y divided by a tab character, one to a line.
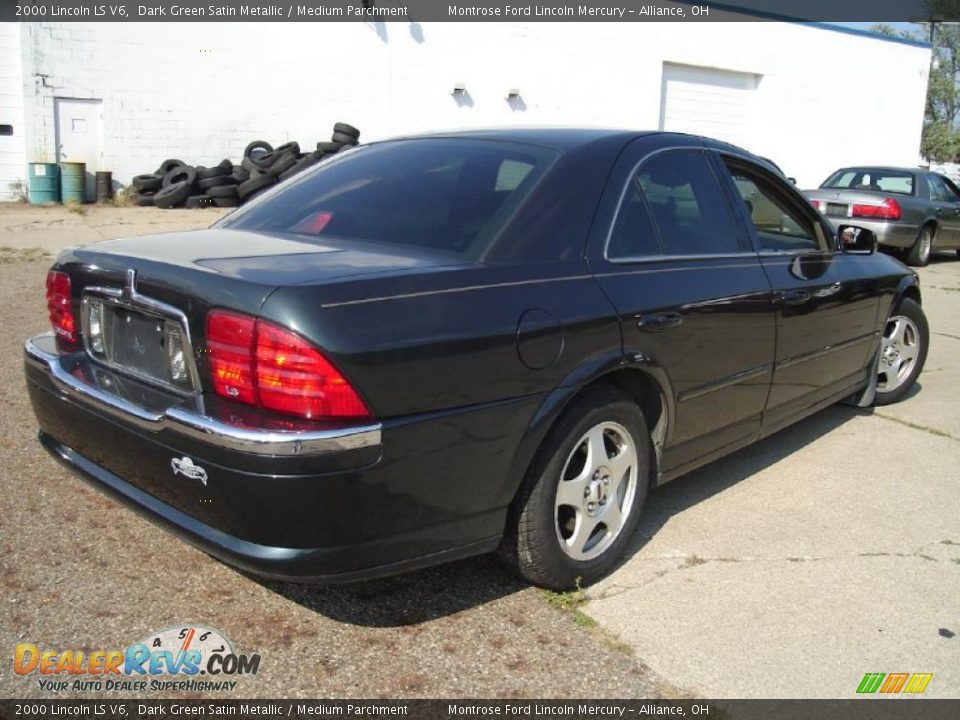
200	92
13	160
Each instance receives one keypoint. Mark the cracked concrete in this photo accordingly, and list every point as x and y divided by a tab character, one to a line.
829	550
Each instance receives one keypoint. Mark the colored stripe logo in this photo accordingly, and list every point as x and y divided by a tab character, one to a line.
894	683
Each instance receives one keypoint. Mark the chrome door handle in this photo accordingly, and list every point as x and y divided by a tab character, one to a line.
658	322
794	297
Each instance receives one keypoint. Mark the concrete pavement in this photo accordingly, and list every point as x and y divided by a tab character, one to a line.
827	551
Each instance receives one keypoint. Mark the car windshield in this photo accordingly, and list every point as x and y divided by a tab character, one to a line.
888	181
447	194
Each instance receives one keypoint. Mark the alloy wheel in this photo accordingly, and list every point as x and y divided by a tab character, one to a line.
899	350
595	491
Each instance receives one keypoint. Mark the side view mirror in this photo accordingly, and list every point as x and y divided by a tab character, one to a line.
852	238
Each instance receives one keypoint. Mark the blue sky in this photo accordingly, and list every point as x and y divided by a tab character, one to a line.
898	25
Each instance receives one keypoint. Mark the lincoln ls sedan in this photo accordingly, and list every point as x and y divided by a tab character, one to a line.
440	346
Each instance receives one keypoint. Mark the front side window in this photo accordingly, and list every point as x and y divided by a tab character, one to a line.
673	205
444	194
778	223
940	189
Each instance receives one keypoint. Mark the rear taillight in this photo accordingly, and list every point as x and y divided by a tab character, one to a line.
262	364
819	205
60	305
230	343
889	209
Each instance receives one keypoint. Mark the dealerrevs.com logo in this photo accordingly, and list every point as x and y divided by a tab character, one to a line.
188	658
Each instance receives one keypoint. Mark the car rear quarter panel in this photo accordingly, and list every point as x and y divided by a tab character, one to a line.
458	365
451	340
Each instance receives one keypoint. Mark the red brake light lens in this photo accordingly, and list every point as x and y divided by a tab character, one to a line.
230	339
819	204
60	305
889	209
259	363
293	377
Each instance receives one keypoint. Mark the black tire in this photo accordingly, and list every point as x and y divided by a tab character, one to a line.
206	173
147	182
532	540
168	165
218	181
248	165
240	174
223	191
173	195
918	337
346	129
198	201
919	253
302	164
183	173
283	163
343	139
245	189
227	201
265	161
257	148
145	199
290	147
328	148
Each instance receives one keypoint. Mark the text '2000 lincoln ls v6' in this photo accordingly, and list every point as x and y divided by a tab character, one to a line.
440	346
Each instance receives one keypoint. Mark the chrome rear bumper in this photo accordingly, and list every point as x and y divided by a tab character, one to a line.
41	352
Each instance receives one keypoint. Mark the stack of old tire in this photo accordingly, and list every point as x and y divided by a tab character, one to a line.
176	184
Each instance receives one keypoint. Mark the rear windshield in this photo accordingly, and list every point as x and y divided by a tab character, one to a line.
888	181
444	194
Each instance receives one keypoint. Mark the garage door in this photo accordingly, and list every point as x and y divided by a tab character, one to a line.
707	101
12	146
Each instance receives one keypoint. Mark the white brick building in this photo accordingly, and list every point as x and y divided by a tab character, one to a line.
125	96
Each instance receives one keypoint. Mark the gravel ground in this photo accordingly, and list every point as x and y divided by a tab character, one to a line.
80	572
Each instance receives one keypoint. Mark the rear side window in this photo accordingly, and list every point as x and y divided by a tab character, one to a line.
673	206
442	194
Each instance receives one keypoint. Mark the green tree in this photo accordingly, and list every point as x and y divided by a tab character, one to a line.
941	139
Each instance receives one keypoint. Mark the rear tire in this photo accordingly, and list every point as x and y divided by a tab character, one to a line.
903	352
919	254
581	499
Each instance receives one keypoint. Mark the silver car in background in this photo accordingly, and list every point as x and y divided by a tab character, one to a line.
912	212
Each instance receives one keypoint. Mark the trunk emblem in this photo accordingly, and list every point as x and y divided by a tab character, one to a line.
186	467
130	288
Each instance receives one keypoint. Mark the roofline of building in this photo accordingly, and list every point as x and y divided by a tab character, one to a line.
822	25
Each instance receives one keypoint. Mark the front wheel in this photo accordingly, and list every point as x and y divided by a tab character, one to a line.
903	351
583	493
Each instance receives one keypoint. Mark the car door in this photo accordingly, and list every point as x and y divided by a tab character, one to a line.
826	302
947	205
693	300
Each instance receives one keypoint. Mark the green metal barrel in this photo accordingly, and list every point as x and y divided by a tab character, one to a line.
73	182
44	181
